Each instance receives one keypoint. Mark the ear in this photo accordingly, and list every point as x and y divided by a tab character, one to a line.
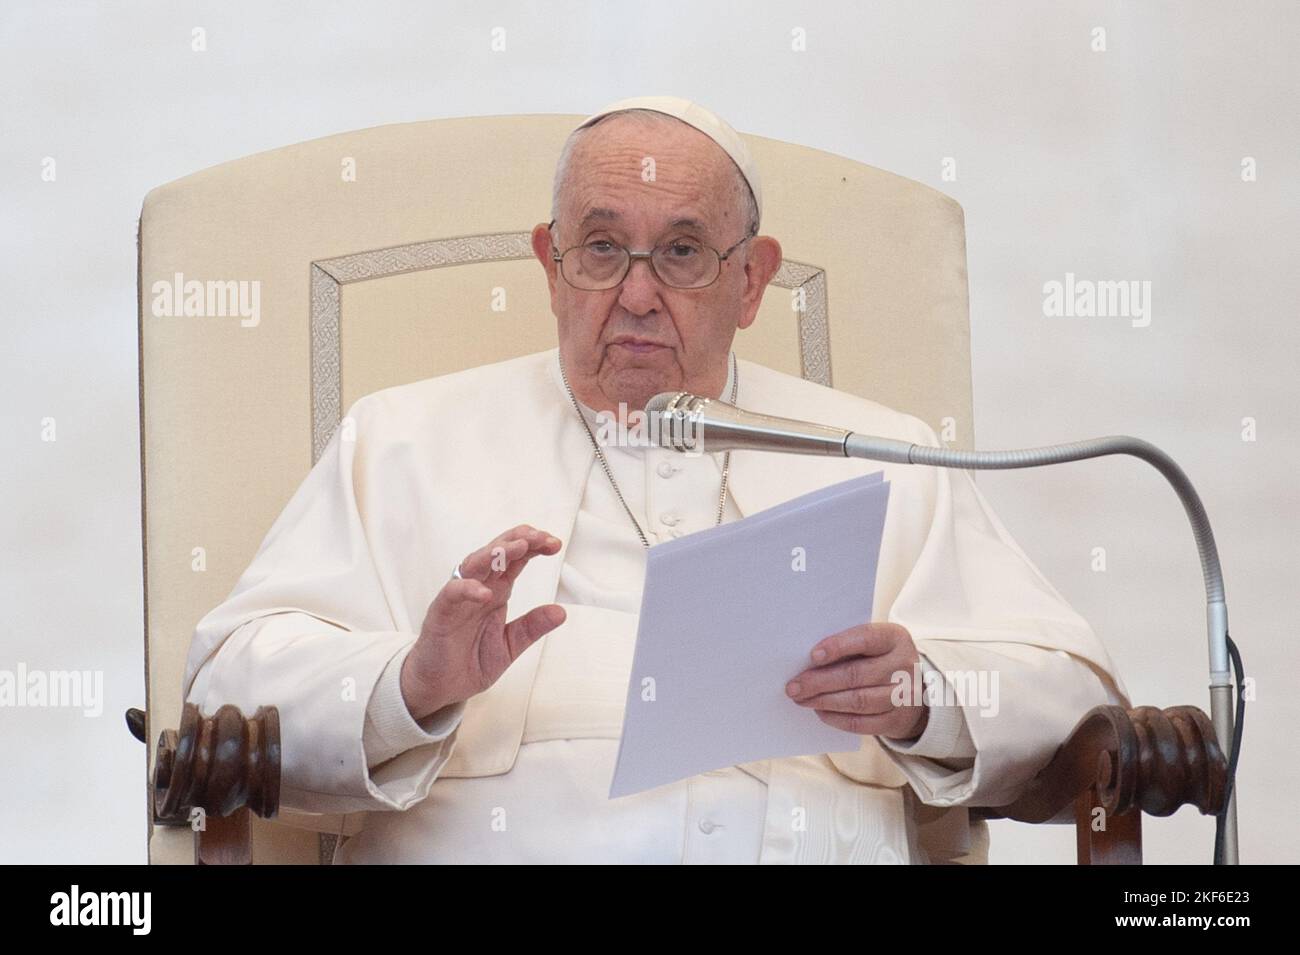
763	262
542	246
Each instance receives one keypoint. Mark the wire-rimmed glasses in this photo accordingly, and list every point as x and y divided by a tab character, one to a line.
683	263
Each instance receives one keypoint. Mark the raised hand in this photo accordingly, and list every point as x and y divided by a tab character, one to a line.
465	643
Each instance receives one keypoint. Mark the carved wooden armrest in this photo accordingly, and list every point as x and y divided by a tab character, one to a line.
1115	765
225	765
1118	764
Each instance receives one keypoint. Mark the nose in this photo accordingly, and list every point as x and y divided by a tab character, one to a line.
639	293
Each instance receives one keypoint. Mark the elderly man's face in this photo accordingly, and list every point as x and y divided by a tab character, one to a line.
628	343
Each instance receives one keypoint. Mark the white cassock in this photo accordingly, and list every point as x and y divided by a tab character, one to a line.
423	474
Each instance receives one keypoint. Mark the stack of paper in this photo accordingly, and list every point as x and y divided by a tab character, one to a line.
728	617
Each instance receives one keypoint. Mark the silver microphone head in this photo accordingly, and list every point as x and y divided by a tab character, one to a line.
693	424
674	418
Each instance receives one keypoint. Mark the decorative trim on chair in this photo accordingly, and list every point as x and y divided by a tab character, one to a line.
328	276
814	318
326	358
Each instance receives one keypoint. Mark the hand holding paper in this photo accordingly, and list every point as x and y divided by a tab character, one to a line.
729	617
851	686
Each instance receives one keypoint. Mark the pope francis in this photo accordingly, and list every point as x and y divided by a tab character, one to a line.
446	609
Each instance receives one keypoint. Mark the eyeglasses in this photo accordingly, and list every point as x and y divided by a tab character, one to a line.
682	263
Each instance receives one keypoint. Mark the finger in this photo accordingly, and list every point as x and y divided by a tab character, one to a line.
519	530
460	592
848	674
499	558
855	723
867	639
493	560
864	700
459	601
843	675
524	631
545	545
542	542
892	725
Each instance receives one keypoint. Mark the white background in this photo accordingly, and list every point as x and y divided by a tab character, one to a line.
1115	165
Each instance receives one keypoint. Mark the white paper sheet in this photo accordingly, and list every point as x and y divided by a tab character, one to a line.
727	619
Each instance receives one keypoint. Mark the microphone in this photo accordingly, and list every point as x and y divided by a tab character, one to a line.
692	424
687	423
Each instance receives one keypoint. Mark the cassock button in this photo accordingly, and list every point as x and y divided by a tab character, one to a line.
667	469
707	827
670	519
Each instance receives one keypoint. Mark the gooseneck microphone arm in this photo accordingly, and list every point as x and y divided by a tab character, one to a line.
900	452
689	423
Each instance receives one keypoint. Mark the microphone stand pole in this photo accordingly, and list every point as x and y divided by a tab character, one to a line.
1216	609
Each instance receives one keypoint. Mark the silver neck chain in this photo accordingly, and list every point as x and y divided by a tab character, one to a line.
604	463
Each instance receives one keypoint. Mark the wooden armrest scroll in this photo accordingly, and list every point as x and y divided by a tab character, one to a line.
226	765
1125	763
